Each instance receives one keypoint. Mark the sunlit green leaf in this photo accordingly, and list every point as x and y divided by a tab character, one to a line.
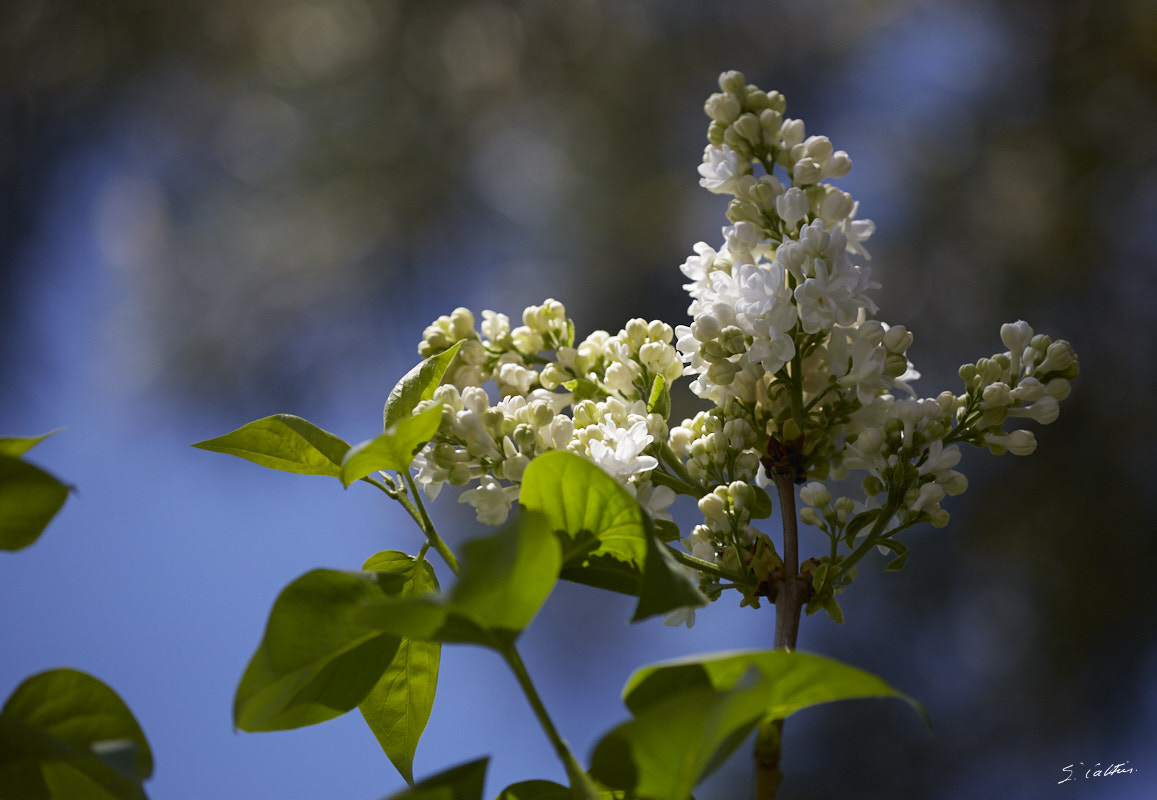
29	499
64	735
606	536
398	707
284	442
17	446
316	660
508	575
536	790
463	782
795	680
678	740
417	385
505	578
546	790
393	449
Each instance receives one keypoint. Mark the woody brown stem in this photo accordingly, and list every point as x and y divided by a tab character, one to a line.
791	593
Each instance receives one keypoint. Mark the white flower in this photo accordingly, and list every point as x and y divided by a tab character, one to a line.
680	616
719	170
619	452
791	206
491	500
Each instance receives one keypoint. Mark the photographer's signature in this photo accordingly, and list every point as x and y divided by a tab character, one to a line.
1078	771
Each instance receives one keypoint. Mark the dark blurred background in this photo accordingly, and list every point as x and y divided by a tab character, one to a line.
214	211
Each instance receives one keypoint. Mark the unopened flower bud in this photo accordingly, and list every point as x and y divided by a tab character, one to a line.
733	82
791	206
815	494
713	508
748	127
722	107
805	171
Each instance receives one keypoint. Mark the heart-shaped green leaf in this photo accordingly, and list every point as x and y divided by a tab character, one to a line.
605	534
316	660
64	735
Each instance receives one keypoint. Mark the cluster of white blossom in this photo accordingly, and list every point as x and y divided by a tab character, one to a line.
803	381
783	344
592	399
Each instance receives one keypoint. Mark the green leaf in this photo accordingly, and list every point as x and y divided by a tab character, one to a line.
463	782
17	446
546	790
394	449
507	576
605	534
284	442
417	385
64	735
29	499
795	680
859	522
317	660
665	585
678	740
398	707
901	551
660	400
689	714
536	790
504	579
761	502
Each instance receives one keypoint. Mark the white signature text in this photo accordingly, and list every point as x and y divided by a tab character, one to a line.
1098	770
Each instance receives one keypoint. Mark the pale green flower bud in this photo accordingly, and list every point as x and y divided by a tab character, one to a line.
815	494
659	331
997	395
809	516
770	121
733	340
805	171
713	507
895	365
733	82
586	413
792	131
1058	358
1044	411
740	494
1019	443
705	328
636	330
839	165
744	211
939	518
835	206
723	108
897	339
459	475
734	139
748	127
1058	388
755	99
716	132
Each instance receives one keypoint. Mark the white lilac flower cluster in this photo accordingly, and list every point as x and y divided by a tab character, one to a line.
594	399
804	384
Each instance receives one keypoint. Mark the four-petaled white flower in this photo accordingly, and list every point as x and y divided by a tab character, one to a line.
719	170
620	451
